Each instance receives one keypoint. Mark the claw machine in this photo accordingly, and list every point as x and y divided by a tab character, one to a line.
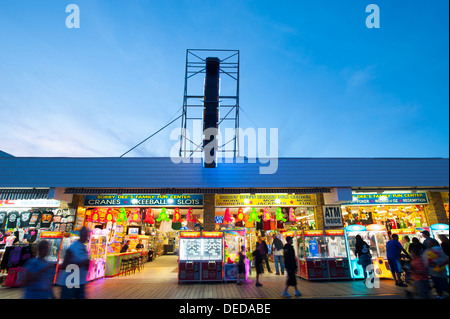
234	239
55	240
338	264
378	237
190	256
212	256
313	253
97	249
439	229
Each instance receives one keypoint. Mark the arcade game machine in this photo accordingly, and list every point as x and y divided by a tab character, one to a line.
313	255
55	239
337	254
68	240
377	234
350	233
233	239
212	252
97	249
439	229
190	257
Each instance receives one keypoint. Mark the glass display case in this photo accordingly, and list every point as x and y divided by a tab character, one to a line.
97	249
190	249
233	239
336	246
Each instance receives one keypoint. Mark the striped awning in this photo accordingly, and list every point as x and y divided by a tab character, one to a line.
23	193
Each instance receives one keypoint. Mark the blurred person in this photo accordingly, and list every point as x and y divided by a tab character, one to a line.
426	236
277	248
291	267
125	247
264	252
140	246
39	275
77	255
362	252
241	266
435	259
419	273
444	243
393	252
406	242
416	244
258	257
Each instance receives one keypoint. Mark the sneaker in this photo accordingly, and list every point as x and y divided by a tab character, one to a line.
258	284
285	294
298	293
277	273
270	272
282	273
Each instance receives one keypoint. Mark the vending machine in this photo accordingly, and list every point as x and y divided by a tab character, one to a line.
313	254
97	249
338	264
378	236
55	240
234	239
190	256
212	256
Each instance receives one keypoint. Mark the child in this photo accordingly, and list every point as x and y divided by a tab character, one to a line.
419	273
241	266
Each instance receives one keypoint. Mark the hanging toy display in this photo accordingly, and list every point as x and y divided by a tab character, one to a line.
177	216
240	215
122	216
110	216
163	215
279	216
227	217
292	215
149	216
267	217
95	217
254	216
135	217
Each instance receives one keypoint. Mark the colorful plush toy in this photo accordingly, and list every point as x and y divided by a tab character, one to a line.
267	216
95	217
191	217
177	216
254	216
291	215
227	217
110	216
279	215
122	216
163	215
149	216
240	215
135	217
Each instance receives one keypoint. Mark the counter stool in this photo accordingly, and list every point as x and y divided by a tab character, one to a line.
125	267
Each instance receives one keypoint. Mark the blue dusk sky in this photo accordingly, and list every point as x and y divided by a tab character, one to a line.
312	69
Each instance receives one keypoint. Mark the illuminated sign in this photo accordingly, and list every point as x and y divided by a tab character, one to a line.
48	203
144	200
213	234
387	199
334	232
439	227
313	232
190	234
355	228
51	234
266	200
332	216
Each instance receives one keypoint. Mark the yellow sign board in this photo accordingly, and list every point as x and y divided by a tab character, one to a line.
266	200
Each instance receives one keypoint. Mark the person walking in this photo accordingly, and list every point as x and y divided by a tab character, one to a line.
291	267
426	236
265	252
241	266
435	260
258	257
393	250
76	255
39	275
417	245
362	252
444	243
277	248
419	273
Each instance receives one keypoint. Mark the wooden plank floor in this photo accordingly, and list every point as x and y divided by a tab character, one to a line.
158	280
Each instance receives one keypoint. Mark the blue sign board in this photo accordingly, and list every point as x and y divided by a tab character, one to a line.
418	198
145	200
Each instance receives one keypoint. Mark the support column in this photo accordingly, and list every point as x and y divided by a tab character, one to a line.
319	210
209	212
435	210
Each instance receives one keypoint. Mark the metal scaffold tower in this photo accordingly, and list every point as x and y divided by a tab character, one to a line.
195	104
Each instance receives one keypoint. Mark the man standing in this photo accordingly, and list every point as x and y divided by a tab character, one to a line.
393	251
277	248
264	252
291	267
